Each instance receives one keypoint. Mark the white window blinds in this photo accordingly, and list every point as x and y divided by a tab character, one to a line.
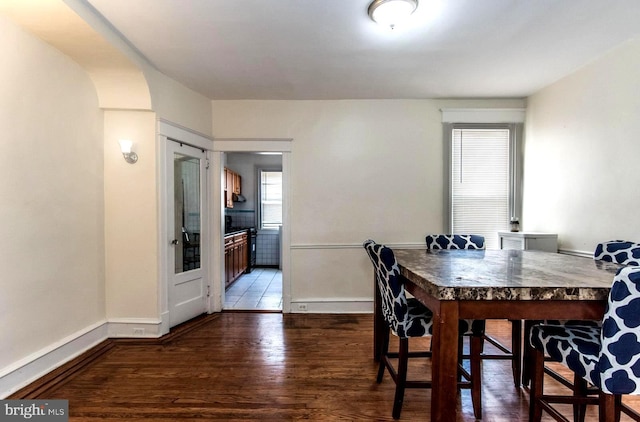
271	199
480	182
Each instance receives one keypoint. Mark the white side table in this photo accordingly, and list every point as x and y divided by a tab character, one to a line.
547	242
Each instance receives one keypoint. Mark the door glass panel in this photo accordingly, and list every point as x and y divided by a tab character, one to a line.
187	211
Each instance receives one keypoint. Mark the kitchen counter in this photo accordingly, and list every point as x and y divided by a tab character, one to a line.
236	230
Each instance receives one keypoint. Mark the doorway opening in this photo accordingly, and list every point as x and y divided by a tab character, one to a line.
253	212
260	290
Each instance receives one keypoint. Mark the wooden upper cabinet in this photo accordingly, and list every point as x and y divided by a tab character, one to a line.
229	188
232	185
237	183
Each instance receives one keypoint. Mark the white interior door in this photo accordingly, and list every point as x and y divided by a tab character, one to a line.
187	197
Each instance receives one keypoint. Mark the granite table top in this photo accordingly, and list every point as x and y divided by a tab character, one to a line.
506	274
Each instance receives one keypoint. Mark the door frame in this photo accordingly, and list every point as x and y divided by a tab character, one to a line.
170	132
226	145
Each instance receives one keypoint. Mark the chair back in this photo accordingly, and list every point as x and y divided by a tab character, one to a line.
618	251
620	337
391	288
455	241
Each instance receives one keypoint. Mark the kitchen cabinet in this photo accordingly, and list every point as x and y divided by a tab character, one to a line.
525	241
236	253
224	178
237	183
232	185
228	188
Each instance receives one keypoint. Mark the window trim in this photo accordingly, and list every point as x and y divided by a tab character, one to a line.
516	160
259	171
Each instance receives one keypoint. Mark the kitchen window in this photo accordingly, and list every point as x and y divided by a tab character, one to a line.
483	173
270	199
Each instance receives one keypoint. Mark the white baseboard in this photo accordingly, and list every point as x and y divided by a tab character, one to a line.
164	324
32	367
347	306
135	328
27	370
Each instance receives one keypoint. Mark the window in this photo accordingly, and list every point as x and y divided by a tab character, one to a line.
270	199
483	173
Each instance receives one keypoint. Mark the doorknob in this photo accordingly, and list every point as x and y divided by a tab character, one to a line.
175	242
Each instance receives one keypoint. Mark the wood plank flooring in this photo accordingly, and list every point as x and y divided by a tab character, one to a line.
264	366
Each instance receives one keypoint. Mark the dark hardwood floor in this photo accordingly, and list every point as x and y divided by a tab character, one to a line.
260	366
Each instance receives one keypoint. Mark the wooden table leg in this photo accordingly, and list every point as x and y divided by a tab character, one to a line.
444	391
379	324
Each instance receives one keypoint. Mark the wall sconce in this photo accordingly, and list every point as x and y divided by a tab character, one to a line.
129	156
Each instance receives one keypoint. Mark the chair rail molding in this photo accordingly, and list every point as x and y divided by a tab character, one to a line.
355	245
583	254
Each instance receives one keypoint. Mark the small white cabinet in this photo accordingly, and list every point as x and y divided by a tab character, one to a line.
547	242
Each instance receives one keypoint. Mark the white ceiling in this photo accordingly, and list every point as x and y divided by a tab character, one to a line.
329	49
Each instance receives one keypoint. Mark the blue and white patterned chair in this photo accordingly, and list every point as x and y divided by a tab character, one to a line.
454	241
406	318
606	356
476	242
619	251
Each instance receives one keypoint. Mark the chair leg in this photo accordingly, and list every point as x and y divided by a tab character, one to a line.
536	366
579	390
516	351
607	407
460	353
384	349
403	358
476	375
619	409
527	350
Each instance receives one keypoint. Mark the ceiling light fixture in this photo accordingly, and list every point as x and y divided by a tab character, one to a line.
391	12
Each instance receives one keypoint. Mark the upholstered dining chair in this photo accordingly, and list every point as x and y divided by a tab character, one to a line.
621	252
408	318
606	355
454	241
470	241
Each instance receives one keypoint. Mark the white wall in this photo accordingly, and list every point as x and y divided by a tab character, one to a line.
80	239
131	220
178	104
360	169
581	155
51	196
124	79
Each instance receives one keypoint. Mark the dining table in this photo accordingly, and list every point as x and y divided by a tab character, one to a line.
496	284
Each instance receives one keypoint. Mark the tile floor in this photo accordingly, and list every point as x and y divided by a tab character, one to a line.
261	289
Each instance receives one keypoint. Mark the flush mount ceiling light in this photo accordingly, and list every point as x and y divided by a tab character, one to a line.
391	12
